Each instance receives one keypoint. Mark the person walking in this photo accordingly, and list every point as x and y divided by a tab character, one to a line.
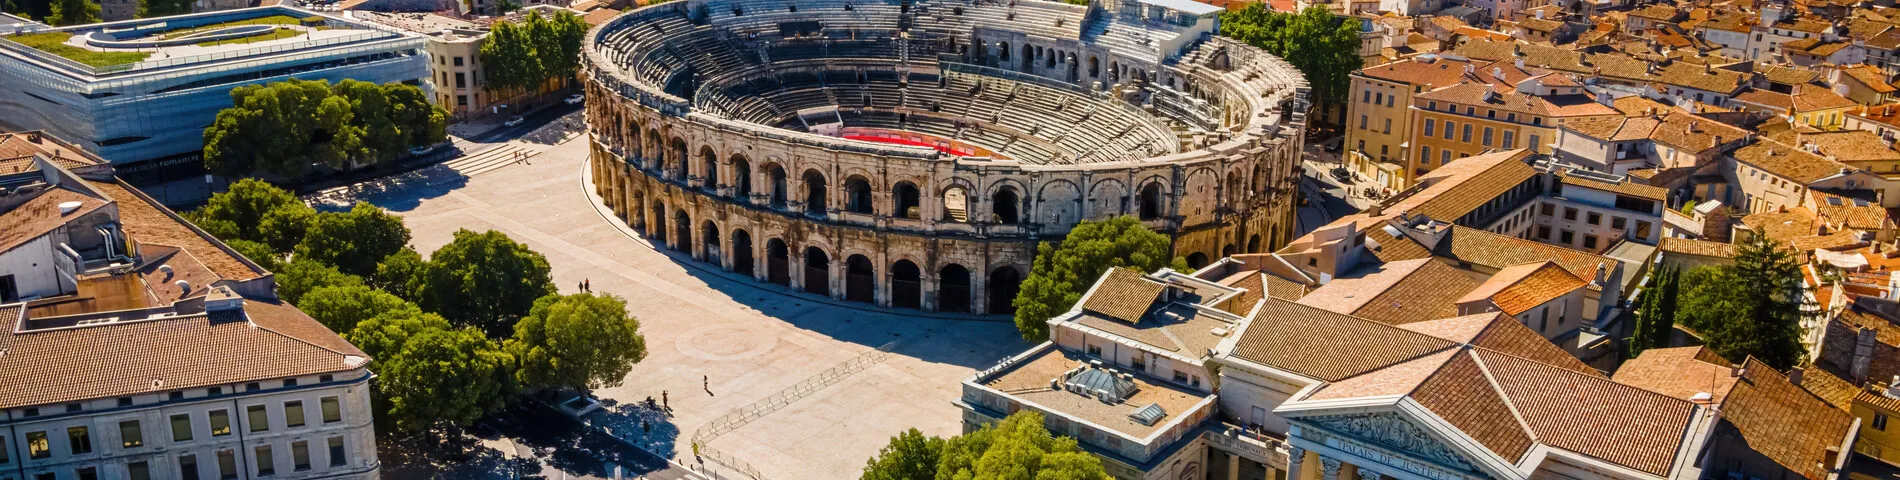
706	383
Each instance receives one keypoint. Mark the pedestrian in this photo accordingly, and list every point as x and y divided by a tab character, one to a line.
706	382
587	284
645	428
663	403
581	285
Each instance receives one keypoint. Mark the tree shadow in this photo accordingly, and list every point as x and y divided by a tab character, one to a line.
572	447
456	455
400	192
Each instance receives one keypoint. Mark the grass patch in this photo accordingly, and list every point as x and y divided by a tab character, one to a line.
270	20
277	34
55	43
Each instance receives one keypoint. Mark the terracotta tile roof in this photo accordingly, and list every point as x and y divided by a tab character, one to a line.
1809	98
1429	292
125	358
1788	162
1501	172
1504	334
1620	188
147	222
1398	379
600	16
1392	249
1124	295
1657	12
1869	76
1833	241
1540	25
1732	22
1850	145
1686	131
21	145
1836	391
1420	71
1703	248
1635	105
1565	409
1284	334
40	215
1625	68
1775	100
1785	74
1784	423
1680	372
1782	226
1518	288
1461	395
1850	213
1503	96
1496	251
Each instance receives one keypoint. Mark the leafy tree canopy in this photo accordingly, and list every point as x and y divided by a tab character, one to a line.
1751	307
255	210
283	128
525	54
342	307
301	276
383	335
484	280
1323	46
73	12
444	377
577	342
163	8
355	241
1062	272
260	253
396	271
1018	447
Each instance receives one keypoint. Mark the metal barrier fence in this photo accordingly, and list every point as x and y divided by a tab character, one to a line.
755	410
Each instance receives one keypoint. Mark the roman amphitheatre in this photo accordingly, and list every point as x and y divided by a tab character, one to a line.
912	153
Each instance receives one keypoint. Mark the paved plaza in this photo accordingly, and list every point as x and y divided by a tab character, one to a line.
717	344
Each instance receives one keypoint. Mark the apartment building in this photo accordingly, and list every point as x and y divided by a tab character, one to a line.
1381	102
138	347
1507	108
1807	104
455	61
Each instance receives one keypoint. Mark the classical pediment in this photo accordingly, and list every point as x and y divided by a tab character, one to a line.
1384	434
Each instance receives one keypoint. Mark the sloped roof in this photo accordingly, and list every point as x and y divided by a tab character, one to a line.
1680	372
1395	293
1788	162
1500	172
1783	422
1518	288
1284	335
41	215
1124	295
1565	409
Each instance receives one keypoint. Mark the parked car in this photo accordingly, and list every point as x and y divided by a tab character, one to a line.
515	120
575	99
420	150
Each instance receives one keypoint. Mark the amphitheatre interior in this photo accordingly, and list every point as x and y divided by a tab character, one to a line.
930	144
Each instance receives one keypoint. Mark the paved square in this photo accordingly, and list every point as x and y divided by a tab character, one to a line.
746	341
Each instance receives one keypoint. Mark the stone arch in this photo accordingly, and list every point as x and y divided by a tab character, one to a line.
1197	260
1006	206
655	150
1059	203
817	271
1253	243
741	177
906	288
656	232
709	163
905	201
778	262
637	212
1236	190
857	195
1105	199
813	182
682	231
1028	58
860	279
1198	201
779	189
1001	289
1095	67
953	289
1003	47
1228	250
742	252
676	159
709	235
1152	206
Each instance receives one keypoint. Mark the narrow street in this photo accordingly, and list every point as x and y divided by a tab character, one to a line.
1327	199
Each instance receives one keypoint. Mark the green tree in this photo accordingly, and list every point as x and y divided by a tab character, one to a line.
1657	317
444	377
1751	307
342	307
260	253
558	43
301	276
397	270
1017	447
1062	272
909	456
485	280
355	241
509	57
281	128
1323	46
73	12
255	210
163	8
382	336
576	342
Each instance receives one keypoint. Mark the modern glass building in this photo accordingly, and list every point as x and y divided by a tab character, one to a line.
140	92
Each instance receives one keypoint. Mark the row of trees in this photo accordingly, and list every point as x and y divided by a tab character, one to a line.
1323	46
1017	447
521	56
60	13
1751	307
285	128
1064	271
1656	314
454	336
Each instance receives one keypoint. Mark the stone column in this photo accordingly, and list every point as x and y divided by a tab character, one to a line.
1329	468
1294	457
1233	468
1370	475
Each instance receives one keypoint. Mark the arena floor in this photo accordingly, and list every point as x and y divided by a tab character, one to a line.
744	342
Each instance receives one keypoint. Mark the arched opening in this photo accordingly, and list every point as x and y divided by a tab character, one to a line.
860	280
1095	67
657	232
1004	206
683	231
817	271
655	153
676	157
709	162
857	195
637	213
906	285
904	201
1197	260
1227	251
778	185
1253	243
1029	57
1001	291
1003	51
815	193
742	252
1151	201
777	262
953	289
709	235
956	205
741	178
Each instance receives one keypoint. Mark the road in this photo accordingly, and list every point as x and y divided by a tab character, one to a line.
1326	198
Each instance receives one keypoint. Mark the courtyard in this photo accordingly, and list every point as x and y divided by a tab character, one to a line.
822	397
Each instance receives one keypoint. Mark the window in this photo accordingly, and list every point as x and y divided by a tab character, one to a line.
1444	157
1138	362
1546	209
227	465
290	382
461	100
125	401
461	80
138	471
252	387
188	467
1487	136
331	412
80	439
1543	232
1642	229
1378	97
336	452
86	473
1565	236
31	412
1180	376
325	378
1880	422
266	464
1388	126
1594	218
300	455
458	61
220	423
1450	129
130	436
293	413
74	407
37	446
1466	137
1425	155
259	417
214	391
1590	242
1532	144
1362	122
1388	100
1095	351
1570	214
177	396
1618	223
4	452
1429	123
1365	96
181	427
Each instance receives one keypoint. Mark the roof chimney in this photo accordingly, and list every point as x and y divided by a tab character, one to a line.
1498	72
1469	68
1520	64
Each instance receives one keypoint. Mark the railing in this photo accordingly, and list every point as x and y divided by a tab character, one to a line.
172	62
758	409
